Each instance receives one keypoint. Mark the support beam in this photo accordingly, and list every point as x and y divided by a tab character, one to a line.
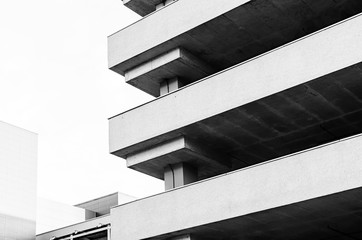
175	63
155	159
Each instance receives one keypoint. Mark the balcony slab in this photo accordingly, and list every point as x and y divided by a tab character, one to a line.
223	33
298	96
248	202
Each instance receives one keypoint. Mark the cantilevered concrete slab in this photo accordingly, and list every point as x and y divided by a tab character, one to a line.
223	33
298	96
175	63
247	203
333	217
153	161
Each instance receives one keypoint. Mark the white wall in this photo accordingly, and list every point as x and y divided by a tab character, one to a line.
18	169
52	215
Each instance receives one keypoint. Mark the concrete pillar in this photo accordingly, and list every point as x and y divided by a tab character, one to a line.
160	5
109	233
170	85
90	214
168	2
182	237
163	3
179	174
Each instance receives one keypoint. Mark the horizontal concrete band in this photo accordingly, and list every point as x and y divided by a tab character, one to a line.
79	227
317	55
177	18
319	172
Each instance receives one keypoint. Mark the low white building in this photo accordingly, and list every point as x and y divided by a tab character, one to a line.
18	179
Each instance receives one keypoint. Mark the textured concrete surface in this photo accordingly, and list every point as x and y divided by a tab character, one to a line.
290	99
181	16
315	173
226	33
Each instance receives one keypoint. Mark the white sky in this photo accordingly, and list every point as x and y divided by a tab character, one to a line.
54	81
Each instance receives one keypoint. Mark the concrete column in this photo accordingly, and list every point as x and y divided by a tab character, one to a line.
109	233
170	85
158	6
90	214
179	174
163	3
168	2
182	237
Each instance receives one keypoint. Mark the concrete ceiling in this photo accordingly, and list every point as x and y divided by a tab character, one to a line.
250	30
322	110
336	216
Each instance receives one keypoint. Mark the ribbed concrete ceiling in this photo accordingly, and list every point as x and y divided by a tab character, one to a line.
333	217
322	110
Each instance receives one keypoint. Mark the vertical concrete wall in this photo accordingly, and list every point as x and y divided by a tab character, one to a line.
18	169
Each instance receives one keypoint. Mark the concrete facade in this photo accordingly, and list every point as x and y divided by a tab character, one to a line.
18	168
264	142
307	175
256	128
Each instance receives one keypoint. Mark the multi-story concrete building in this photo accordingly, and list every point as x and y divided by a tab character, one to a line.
256	121
18	168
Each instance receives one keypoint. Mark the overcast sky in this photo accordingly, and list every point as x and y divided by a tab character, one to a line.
54	81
